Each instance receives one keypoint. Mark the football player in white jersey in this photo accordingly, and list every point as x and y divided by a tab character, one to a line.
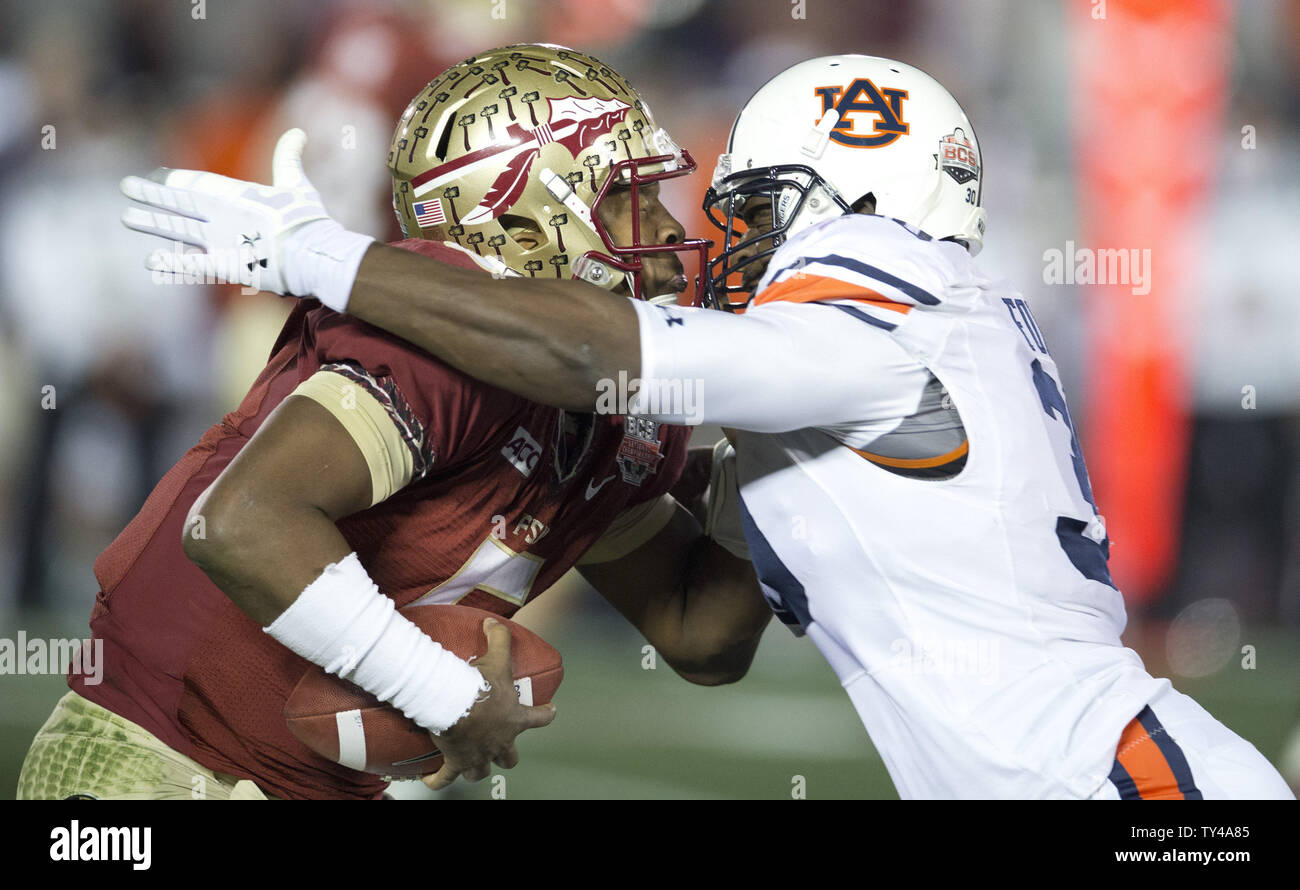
910	486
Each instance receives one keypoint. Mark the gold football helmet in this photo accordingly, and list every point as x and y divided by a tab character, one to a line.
530	138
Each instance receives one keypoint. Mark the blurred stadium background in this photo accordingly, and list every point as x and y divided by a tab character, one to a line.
1137	124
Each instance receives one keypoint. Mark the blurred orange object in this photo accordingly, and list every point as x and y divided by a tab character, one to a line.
1150	79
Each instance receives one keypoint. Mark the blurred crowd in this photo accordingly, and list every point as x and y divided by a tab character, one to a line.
108	378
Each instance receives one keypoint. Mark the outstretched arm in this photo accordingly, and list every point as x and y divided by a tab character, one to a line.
563	342
548	341
554	342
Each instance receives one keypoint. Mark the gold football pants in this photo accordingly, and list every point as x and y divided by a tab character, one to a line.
85	751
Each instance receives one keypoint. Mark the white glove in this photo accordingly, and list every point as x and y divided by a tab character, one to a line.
276	238
722	523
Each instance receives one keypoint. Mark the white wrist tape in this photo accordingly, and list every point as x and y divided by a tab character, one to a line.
321	259
722	522
344	624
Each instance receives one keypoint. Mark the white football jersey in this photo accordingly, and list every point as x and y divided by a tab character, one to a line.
971	619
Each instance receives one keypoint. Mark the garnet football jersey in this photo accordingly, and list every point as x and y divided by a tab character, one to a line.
483	498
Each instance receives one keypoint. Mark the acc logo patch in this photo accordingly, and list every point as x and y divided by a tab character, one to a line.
958	157
864	97
522	451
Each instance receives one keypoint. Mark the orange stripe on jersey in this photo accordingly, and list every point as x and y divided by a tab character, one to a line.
1145	763
807	288
915	463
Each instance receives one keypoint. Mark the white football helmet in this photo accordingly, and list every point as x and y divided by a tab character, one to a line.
826	133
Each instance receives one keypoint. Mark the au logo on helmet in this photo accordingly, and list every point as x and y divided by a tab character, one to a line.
863	97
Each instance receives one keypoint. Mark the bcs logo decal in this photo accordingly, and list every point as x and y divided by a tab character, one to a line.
861	97
958	157
640	451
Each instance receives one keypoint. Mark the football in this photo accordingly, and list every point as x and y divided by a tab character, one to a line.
346	724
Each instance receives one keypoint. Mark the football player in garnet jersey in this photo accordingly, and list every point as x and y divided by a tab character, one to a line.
361	475
912	489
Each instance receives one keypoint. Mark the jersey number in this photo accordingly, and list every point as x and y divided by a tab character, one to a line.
1089	556
494	568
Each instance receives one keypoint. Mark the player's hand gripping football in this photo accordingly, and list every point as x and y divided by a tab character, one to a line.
486	735
276	237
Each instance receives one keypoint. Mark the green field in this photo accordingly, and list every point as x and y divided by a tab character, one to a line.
626	732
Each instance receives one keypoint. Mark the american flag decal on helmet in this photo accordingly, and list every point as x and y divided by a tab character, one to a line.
429	213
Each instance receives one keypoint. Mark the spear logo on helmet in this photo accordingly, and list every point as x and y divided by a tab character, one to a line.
574	123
